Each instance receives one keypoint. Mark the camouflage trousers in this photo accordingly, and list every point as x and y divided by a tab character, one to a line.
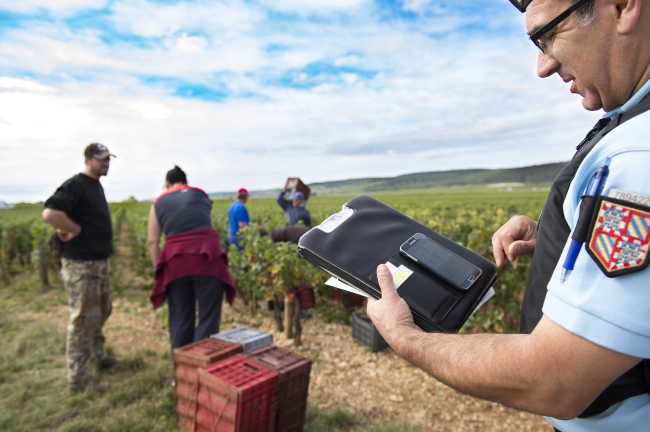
87	284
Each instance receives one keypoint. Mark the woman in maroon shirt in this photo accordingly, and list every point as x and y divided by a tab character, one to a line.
192	266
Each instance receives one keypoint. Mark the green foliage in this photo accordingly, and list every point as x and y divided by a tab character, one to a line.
264	269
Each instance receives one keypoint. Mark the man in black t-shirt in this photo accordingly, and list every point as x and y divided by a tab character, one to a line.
79	211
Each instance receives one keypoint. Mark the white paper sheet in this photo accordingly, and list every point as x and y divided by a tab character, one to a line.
333	282
487	297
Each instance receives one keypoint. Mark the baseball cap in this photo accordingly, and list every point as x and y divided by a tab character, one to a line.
521	4
298	195
242	191
97	151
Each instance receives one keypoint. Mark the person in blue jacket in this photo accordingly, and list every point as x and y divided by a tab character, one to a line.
294	211
581	359
238	217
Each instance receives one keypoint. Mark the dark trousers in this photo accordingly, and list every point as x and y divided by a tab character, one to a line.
183	294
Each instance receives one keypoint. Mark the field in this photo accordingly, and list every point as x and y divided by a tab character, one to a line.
351	388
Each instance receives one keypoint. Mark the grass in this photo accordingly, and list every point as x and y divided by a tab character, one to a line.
34	393
342	420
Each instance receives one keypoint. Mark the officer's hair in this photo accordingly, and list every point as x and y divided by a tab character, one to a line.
242	196
587	12
176	175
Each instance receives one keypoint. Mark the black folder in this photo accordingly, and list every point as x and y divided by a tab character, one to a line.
372	235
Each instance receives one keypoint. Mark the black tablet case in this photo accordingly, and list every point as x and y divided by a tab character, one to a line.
373	236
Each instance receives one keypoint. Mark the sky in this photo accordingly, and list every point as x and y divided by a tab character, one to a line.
245	93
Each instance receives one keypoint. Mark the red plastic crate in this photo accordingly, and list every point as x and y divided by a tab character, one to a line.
306	296
234	395
355	299
289	405
187	360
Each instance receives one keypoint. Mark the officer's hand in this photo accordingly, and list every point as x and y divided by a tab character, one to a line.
391	315
66	236
516	238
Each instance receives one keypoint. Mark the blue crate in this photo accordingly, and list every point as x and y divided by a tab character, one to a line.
248	338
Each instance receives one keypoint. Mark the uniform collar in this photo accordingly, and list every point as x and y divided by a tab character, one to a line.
634	101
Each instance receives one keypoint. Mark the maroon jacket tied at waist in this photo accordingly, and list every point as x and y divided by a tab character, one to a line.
187	254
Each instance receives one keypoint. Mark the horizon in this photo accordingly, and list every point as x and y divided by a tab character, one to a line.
214	195
247	93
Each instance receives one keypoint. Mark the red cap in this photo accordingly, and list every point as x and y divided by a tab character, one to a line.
242	191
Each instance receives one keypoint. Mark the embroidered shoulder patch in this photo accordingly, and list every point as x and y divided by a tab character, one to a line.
619	237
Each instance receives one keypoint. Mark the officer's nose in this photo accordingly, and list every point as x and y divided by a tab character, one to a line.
547	65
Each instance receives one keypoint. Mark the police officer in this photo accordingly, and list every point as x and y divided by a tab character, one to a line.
294	211
579	359
78	209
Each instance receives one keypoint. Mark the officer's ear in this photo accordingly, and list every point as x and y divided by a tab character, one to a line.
627	15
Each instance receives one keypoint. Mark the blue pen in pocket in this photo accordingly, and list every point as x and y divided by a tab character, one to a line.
594	189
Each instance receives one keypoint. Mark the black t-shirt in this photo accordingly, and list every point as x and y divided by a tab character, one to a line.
82	199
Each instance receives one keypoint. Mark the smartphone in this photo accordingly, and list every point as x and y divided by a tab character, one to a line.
441	261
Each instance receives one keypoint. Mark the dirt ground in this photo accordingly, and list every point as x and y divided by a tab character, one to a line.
378	387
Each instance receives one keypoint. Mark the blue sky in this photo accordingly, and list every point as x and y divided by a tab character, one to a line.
246	93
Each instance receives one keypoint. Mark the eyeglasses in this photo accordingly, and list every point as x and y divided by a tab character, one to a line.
535	37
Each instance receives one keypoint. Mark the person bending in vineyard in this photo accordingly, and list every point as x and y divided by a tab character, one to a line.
238	217
79	211
192	266
294	211
579	359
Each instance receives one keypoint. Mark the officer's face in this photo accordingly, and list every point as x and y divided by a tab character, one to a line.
580	55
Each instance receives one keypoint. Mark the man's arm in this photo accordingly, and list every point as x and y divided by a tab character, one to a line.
154	231
243	219
59	220
517	237
551	372
281	202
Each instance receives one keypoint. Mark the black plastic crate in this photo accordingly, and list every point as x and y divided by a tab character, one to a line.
365	333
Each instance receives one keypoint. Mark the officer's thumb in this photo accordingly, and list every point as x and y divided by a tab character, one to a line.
521	247
386	282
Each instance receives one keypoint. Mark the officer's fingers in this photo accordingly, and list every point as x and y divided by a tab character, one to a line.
497	250
506	238
386	283
521	247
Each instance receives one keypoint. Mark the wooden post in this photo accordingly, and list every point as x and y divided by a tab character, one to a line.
277	313
288	318
42	263
296	322
3	272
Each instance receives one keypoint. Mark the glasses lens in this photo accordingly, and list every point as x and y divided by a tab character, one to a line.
538	44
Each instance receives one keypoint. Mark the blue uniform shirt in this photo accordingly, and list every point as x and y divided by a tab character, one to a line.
611	312
237	213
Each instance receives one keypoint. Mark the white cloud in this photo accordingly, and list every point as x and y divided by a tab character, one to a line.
59	7
310	6
404	101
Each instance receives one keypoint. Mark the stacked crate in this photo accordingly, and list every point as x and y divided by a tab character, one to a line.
248	338
365	333
234	395
306	296
187	360
294	185
289	404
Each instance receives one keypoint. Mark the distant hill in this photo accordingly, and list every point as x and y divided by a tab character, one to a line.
532	175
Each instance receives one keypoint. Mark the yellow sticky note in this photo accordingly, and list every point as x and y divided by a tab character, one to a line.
400	277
